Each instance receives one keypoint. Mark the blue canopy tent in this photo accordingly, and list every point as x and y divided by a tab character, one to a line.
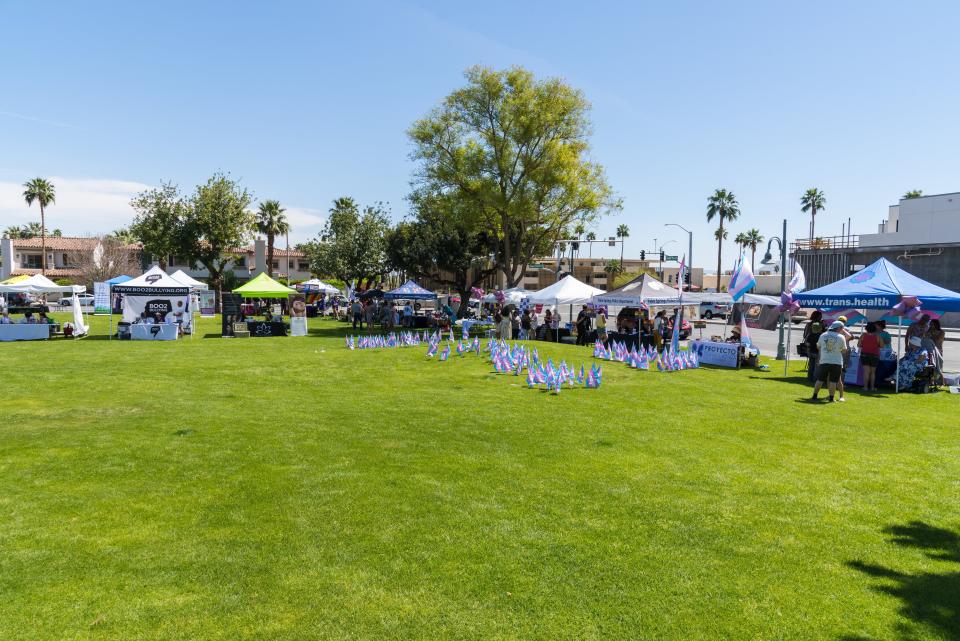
116	280
409	291
880	285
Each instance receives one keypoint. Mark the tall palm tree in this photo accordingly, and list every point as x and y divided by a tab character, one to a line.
623	232
913	193
813	201
271	222
42	191
578	232
591	236
741	240
753	238
724	206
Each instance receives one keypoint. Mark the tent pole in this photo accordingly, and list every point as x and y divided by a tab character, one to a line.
899	349
786	356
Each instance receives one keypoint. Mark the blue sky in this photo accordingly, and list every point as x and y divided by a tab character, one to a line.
308	101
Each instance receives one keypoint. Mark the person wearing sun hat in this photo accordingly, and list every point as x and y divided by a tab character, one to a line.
831	346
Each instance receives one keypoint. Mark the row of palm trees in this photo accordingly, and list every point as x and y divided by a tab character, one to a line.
723	206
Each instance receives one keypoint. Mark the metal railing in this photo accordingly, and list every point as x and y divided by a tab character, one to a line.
848	241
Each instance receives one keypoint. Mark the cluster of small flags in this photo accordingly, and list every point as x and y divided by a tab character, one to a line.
516	359
379	341
645	358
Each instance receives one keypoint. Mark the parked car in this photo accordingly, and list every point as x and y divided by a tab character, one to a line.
715	310
86	300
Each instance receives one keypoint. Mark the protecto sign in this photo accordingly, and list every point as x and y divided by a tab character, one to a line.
717	354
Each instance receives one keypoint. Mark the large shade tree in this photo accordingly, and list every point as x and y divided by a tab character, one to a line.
159	222
723	206
42	192
352	245
271	221
216	225
516	147
813	201
443	243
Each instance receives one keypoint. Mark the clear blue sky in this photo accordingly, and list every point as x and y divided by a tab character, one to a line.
308	101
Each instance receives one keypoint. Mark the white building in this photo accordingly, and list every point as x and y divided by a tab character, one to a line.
927	220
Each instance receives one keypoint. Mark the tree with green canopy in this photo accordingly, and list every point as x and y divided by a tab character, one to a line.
42	192
159	221
352	245
442	243
913	193
517	149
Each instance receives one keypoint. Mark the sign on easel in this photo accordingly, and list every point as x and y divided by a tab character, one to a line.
101	299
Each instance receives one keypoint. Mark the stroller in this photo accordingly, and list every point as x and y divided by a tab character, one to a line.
926	380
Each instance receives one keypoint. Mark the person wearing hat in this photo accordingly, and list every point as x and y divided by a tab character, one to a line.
831	346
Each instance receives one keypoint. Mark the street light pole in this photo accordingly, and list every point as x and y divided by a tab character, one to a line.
689	251
768	260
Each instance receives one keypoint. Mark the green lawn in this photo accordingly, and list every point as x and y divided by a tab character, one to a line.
287	488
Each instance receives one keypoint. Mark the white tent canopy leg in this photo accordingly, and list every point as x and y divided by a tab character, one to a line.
899	351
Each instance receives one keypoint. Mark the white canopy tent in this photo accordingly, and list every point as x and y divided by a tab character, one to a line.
643	291
317	285
40	284
156	292
188	280
566	291
511	296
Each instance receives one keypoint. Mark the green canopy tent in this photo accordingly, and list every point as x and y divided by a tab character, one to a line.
262	286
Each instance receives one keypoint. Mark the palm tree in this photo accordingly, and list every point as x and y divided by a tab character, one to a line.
813	201
721	234
613	268
740	240
724	206
13	232
913	193
42	191
623	232
753	238
271	222
591	237
578	233
31	230
122	235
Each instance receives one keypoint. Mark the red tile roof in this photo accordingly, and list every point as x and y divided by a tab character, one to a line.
60	243
51	272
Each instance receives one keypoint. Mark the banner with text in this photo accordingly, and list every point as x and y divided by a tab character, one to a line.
101	299
208	304
717	354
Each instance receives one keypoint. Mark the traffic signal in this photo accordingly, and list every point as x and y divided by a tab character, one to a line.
643	255
662	254
687	279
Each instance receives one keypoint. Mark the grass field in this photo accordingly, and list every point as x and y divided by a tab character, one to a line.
287	488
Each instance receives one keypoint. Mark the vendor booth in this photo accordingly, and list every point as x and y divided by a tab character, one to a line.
511	296
186	279
38	284
412	291
262	286
643	291
884	286
151	300
567	291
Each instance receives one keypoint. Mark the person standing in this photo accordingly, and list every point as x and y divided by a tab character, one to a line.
869	356
886	340
357	313
811	336
555	326
505	327
936	336
830	346
601	326
407	314
525	325
583	325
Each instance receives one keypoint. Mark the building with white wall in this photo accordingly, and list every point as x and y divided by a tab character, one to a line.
927	220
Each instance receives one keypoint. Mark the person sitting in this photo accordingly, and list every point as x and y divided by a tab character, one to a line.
5	318
158	318
913	362
44	319
28	319
145	320
268	316
734	336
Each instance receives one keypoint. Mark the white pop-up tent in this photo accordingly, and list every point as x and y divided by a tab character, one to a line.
512	296
643	291
40	284
566	291
317	285
155	292
186	279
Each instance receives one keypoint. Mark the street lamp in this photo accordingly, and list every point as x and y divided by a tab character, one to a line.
689	251
768	260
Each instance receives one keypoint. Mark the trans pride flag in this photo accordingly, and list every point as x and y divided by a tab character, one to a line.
742	280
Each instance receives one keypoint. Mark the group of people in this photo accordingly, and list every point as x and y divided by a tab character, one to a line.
387	315
29	318
828	352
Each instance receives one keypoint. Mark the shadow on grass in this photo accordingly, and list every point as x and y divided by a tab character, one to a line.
930	599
